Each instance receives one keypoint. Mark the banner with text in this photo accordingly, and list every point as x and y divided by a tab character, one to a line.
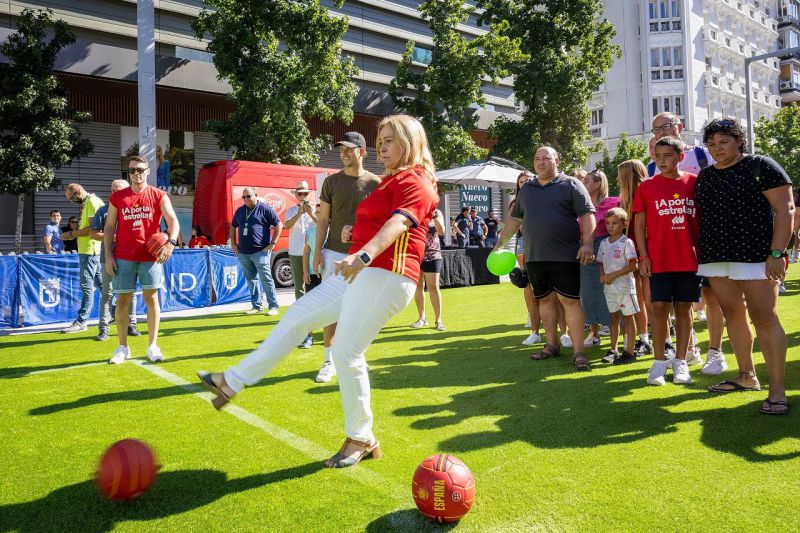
9	295
478	197
186	283
227	277
49	289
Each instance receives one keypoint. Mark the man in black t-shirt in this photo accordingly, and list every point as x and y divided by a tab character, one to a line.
464	226
493	226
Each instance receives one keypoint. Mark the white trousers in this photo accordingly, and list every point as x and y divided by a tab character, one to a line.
361	308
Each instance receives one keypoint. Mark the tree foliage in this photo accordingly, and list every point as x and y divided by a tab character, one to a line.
37	134
452	82
284	62
569	46
779	138
37	127
627	148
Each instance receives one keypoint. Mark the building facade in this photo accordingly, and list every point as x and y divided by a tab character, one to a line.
789	37
686	57
100	72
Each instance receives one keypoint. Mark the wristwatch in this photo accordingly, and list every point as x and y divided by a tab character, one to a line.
364	257
173	242
778	253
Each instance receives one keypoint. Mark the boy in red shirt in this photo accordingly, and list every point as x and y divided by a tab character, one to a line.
666	233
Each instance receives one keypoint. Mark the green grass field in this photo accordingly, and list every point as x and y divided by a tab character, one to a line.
551	449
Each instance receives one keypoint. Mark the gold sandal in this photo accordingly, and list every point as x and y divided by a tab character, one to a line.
223	393
341	460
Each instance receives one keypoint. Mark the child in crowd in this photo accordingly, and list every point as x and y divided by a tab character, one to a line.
666	233
617	258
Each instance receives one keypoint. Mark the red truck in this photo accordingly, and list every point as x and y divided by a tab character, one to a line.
218	193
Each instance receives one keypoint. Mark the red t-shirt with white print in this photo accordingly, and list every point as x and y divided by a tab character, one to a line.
138	217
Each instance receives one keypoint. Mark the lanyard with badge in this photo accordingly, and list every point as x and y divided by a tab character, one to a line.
246	218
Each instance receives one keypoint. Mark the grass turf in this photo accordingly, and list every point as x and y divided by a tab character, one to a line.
551	449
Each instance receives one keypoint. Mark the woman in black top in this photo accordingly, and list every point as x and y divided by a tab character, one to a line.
70	245
745	209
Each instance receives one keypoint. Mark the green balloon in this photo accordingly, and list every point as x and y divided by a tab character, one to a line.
501	262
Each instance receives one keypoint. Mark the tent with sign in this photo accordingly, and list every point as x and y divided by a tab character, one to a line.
481	174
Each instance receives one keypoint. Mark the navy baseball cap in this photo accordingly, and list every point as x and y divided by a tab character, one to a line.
352	139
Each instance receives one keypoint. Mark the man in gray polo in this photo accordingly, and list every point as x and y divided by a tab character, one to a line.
555	245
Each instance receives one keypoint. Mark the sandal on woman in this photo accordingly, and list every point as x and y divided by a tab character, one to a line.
546	353
358	450
223	393
580	362
729	385
778	407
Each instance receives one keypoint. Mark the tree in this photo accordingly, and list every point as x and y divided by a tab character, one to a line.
568	44
284	62
37	128
627	148
779	138
452	82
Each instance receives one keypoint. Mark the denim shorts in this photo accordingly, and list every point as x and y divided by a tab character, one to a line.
150	275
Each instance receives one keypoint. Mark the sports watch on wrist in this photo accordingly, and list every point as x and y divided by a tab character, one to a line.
173	242
364	257
778	253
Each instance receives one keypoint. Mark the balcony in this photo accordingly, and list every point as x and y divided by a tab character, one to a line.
788	20
790	92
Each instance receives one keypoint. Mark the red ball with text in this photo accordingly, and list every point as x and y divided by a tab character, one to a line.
443	488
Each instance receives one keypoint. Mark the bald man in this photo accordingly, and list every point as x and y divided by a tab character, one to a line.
252	241
555	246
88	252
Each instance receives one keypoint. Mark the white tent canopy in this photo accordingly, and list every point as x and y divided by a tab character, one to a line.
481	174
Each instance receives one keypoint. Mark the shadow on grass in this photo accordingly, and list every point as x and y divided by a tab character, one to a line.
108	397
80	507
406	520
23	371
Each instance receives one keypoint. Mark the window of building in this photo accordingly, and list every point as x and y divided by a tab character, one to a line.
654	57
678	107
664	15
597	117
677	54
192	54
652	9
666	57
655	106
673	104
422	55
666	63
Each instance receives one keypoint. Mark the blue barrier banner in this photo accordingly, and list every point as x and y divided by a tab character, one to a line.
49	289
186	281
9	295
227	277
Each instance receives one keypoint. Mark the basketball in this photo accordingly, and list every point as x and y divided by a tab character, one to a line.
501	262
155	242
126	470
443	488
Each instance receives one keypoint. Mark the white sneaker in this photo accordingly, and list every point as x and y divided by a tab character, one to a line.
590	341
658	372
566	342
121	354
533	338
701	315
252	311
715	363
680	372
422	322
528	322
326	373
154	354
693	356
273	311
669	351
604	331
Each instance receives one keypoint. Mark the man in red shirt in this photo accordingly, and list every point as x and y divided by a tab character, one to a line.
134	214
666	234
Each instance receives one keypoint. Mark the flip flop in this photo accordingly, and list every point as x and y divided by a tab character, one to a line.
768	408
731	386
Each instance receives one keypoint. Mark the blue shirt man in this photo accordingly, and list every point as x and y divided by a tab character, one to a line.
51	234
477	232
252	243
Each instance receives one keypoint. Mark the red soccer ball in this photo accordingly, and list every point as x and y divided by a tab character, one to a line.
443	488
126	470
155	242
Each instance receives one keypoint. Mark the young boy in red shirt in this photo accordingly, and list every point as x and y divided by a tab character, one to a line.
666	233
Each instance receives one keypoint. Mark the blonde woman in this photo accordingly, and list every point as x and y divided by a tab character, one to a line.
371	285
630	174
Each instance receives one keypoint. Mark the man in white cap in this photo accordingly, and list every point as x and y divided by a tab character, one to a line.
299	218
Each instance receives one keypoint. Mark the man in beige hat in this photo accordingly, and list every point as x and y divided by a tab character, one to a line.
299	218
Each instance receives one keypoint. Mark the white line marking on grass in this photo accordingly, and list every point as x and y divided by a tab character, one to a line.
50	370
304	446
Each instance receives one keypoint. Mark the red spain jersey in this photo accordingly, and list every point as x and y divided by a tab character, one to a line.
138	217
410	193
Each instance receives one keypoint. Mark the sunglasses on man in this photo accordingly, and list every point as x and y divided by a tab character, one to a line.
136	170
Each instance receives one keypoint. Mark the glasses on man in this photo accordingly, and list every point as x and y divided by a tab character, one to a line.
246	196
663	128
136	170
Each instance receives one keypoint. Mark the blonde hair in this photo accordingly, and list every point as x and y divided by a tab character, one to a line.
410	134
630	174
619	213
599	175
580	173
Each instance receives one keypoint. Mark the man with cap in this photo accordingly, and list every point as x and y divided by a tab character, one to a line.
299	218
340	195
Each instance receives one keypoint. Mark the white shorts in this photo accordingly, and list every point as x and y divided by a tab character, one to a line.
329	260
624	302
733	271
